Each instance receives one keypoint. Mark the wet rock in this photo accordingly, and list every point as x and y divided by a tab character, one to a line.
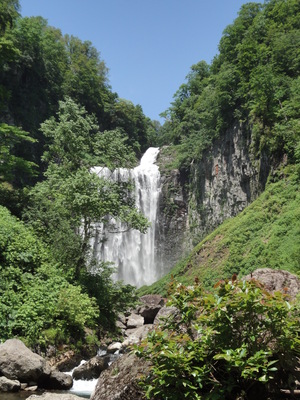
9	385
92	368
120	380
57	381
66	361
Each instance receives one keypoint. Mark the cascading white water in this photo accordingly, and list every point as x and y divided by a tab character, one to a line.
132	252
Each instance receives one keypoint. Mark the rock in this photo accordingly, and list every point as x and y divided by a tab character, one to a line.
31	388
120	380
92	368
164	313
66	361
122	318
9	385
54	396
120	325
134	321
112	348
57	381
152	303
137	335
18	362
277	280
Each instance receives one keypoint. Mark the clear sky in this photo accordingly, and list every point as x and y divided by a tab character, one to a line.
148	45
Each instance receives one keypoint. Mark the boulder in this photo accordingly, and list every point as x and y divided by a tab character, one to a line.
57	381
165	313
66	361
152	303
54	396
18	362
112	348
137	335
9	385
92	368
134	321
275	280
120	380
120	325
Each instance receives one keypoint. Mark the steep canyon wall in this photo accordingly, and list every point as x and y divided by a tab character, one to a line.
221	185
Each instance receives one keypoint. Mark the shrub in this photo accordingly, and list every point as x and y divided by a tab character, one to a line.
237	342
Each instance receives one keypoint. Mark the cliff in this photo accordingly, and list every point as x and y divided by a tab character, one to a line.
226	180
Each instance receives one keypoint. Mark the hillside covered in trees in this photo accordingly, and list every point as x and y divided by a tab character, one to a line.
58	118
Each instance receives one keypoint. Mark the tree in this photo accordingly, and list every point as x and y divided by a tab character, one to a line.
37	302
14	169
67	204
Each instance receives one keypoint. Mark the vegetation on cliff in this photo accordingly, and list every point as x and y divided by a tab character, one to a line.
265	235
254	79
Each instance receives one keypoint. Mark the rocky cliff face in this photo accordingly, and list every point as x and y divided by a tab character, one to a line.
221	185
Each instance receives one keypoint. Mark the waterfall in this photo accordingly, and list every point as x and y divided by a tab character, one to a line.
133	253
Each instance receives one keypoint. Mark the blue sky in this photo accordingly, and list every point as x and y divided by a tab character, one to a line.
148	45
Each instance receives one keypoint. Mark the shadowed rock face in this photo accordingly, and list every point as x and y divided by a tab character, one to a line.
277	281
120	380
92	368
219	186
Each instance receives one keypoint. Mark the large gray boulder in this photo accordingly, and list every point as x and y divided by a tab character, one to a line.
55	396
134	321
9	385
137	335
18	362
275	280
120	380
92	368
165	313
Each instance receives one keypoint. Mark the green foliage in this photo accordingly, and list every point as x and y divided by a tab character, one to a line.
112	297
39	67
66	205
239	341
265	234
252	80
37	302
14	169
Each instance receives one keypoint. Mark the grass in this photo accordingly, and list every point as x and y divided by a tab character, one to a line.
265	234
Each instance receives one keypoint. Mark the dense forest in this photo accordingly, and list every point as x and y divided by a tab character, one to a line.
59	117
254	80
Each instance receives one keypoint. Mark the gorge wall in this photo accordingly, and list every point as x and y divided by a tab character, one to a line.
221	185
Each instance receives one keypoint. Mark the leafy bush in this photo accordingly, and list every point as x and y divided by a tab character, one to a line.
37	302
237	342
